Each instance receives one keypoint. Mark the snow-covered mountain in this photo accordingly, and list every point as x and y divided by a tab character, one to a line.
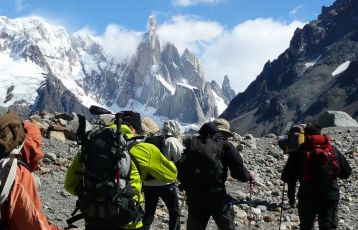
44	67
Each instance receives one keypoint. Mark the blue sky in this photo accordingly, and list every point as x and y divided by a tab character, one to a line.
233	37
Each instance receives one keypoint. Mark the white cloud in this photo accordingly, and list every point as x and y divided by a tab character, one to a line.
189	32
120	42
242	52
296	10
239	53
185	3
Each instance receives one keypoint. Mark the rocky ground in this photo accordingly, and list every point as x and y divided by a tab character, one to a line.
260	154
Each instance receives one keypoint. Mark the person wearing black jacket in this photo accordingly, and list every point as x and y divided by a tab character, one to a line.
215	202
314	199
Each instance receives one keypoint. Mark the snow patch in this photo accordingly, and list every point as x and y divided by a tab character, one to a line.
187	85
165	84
341	68
220	103
24	76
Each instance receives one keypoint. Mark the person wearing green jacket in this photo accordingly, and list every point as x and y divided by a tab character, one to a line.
147	157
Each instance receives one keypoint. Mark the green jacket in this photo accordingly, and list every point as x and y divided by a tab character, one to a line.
148	157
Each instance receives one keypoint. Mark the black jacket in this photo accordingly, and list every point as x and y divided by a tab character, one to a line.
293	172
231	159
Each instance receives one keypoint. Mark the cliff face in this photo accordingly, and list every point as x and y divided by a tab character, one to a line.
316	73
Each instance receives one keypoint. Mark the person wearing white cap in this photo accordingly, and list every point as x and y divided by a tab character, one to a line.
172	148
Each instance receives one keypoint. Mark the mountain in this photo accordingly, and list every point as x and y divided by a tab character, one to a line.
44	67
318	72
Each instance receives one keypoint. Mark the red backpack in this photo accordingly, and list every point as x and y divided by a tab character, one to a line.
321	166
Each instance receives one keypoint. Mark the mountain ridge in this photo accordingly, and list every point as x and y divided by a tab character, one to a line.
298	85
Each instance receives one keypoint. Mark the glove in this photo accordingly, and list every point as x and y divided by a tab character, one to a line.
252	175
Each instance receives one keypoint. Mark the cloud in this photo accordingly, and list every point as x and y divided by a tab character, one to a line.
189	32
296	10
185	3
242	52
120	42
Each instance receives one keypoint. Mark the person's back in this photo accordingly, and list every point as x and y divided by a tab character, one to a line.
169	144
210	198
23	207
316	165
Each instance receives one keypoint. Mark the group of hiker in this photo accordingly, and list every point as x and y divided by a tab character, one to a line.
117	166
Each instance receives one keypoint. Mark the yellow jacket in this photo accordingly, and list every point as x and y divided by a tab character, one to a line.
148	157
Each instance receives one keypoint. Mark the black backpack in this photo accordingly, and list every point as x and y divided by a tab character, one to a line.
200	167
107	196
158	141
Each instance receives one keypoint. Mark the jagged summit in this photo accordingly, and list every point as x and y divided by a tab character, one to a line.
69	72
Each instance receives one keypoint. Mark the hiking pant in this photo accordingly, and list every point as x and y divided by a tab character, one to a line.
168	194
202	207
326	210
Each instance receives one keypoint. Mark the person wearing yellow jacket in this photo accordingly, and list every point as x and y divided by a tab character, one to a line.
147	156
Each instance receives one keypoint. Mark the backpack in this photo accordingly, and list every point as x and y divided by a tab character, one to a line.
200	167
296	136
12	135
158	141
320	164
107	196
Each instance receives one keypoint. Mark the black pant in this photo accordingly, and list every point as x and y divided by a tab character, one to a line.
201	207
168	194
326	210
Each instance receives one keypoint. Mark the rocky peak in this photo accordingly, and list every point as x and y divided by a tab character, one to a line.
306	79
228	92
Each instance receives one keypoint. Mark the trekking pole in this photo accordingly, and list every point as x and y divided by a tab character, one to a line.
250	203
282	199
181	208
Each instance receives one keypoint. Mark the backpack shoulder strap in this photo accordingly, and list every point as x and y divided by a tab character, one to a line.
135	161
8	177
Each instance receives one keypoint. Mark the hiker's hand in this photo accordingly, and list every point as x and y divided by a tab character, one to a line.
252	175
292	203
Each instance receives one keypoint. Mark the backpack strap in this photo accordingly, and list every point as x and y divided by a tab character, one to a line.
135	161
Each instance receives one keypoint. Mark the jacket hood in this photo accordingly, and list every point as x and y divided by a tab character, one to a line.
31	151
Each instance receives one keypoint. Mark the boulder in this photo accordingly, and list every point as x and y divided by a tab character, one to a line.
337	119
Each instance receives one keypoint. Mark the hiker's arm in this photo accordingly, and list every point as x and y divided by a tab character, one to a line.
345	168
73	181
290	172
23	212
152	161
233	160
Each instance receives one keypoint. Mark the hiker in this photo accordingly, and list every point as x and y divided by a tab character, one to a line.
318	194
203	171
21	142
145	159
170	145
